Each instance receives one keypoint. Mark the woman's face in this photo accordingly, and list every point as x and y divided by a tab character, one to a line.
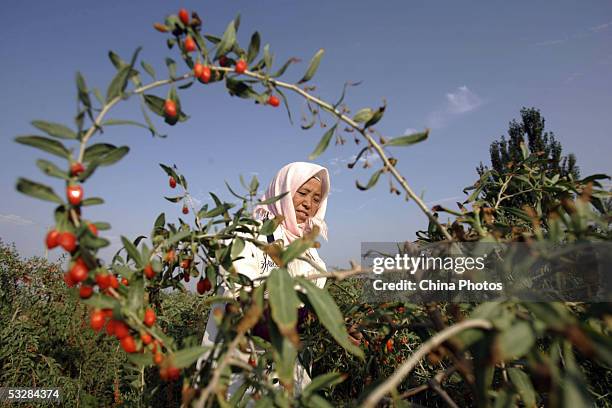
307	200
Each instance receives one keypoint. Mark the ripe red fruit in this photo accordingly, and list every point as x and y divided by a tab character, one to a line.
85	292
205	76
184	16
203	285
146	338
197	70
172	182
110	327
121	329
170	256
128	344
76	169
96	321
185	210
149	272
52	239
223	61
190	44
125	282
74	194
93	229
185	263
149	317
170	109
68	280
173	373
241	66
114	283
274	101
67	240
79	271
389	345
158	358
252	362
103	280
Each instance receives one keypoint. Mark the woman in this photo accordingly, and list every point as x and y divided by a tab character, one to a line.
303	208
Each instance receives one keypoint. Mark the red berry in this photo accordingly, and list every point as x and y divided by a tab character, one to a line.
389	345
185	210
223	61
79	271
184	16
241	66
52	239
146	338
103	280
197	70
173	373
128	344
121	329
76	168
110	327
170	108
252	362
170	256
93	229
274	101
172	182
205	76
74	194
149	317
158	358
125	282
108	313
67	240
190	44
203	285
185	263
85	292
96	320
114	282
68	280
149	272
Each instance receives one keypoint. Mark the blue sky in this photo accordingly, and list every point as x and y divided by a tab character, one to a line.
463	69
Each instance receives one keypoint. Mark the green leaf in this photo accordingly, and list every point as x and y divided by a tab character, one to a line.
44	143
132	251
160	221
523	385
312	67
136	293
101	301
284	98
371	183
282	69
295	249
148	69
378	114
269	226
273	199
363	115
240	88
97	150
155	104
114	122
268	58
186	357
82	89
114	156
51	169
323	381
89	241
171	64
227	41
516	341
177	237
118	84
174	199
408	140
329	315
55	129
253	47
169	171
37	190
237	247
323	143
140	360
92	201
284	301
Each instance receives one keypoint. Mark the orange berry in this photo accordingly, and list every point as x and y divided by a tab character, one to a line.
149	317
274	101
149	272
190	44
96	320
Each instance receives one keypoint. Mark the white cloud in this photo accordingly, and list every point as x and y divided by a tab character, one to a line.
459	102
549	42
601	27
14	219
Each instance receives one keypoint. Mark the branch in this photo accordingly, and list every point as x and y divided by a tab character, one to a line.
395	380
